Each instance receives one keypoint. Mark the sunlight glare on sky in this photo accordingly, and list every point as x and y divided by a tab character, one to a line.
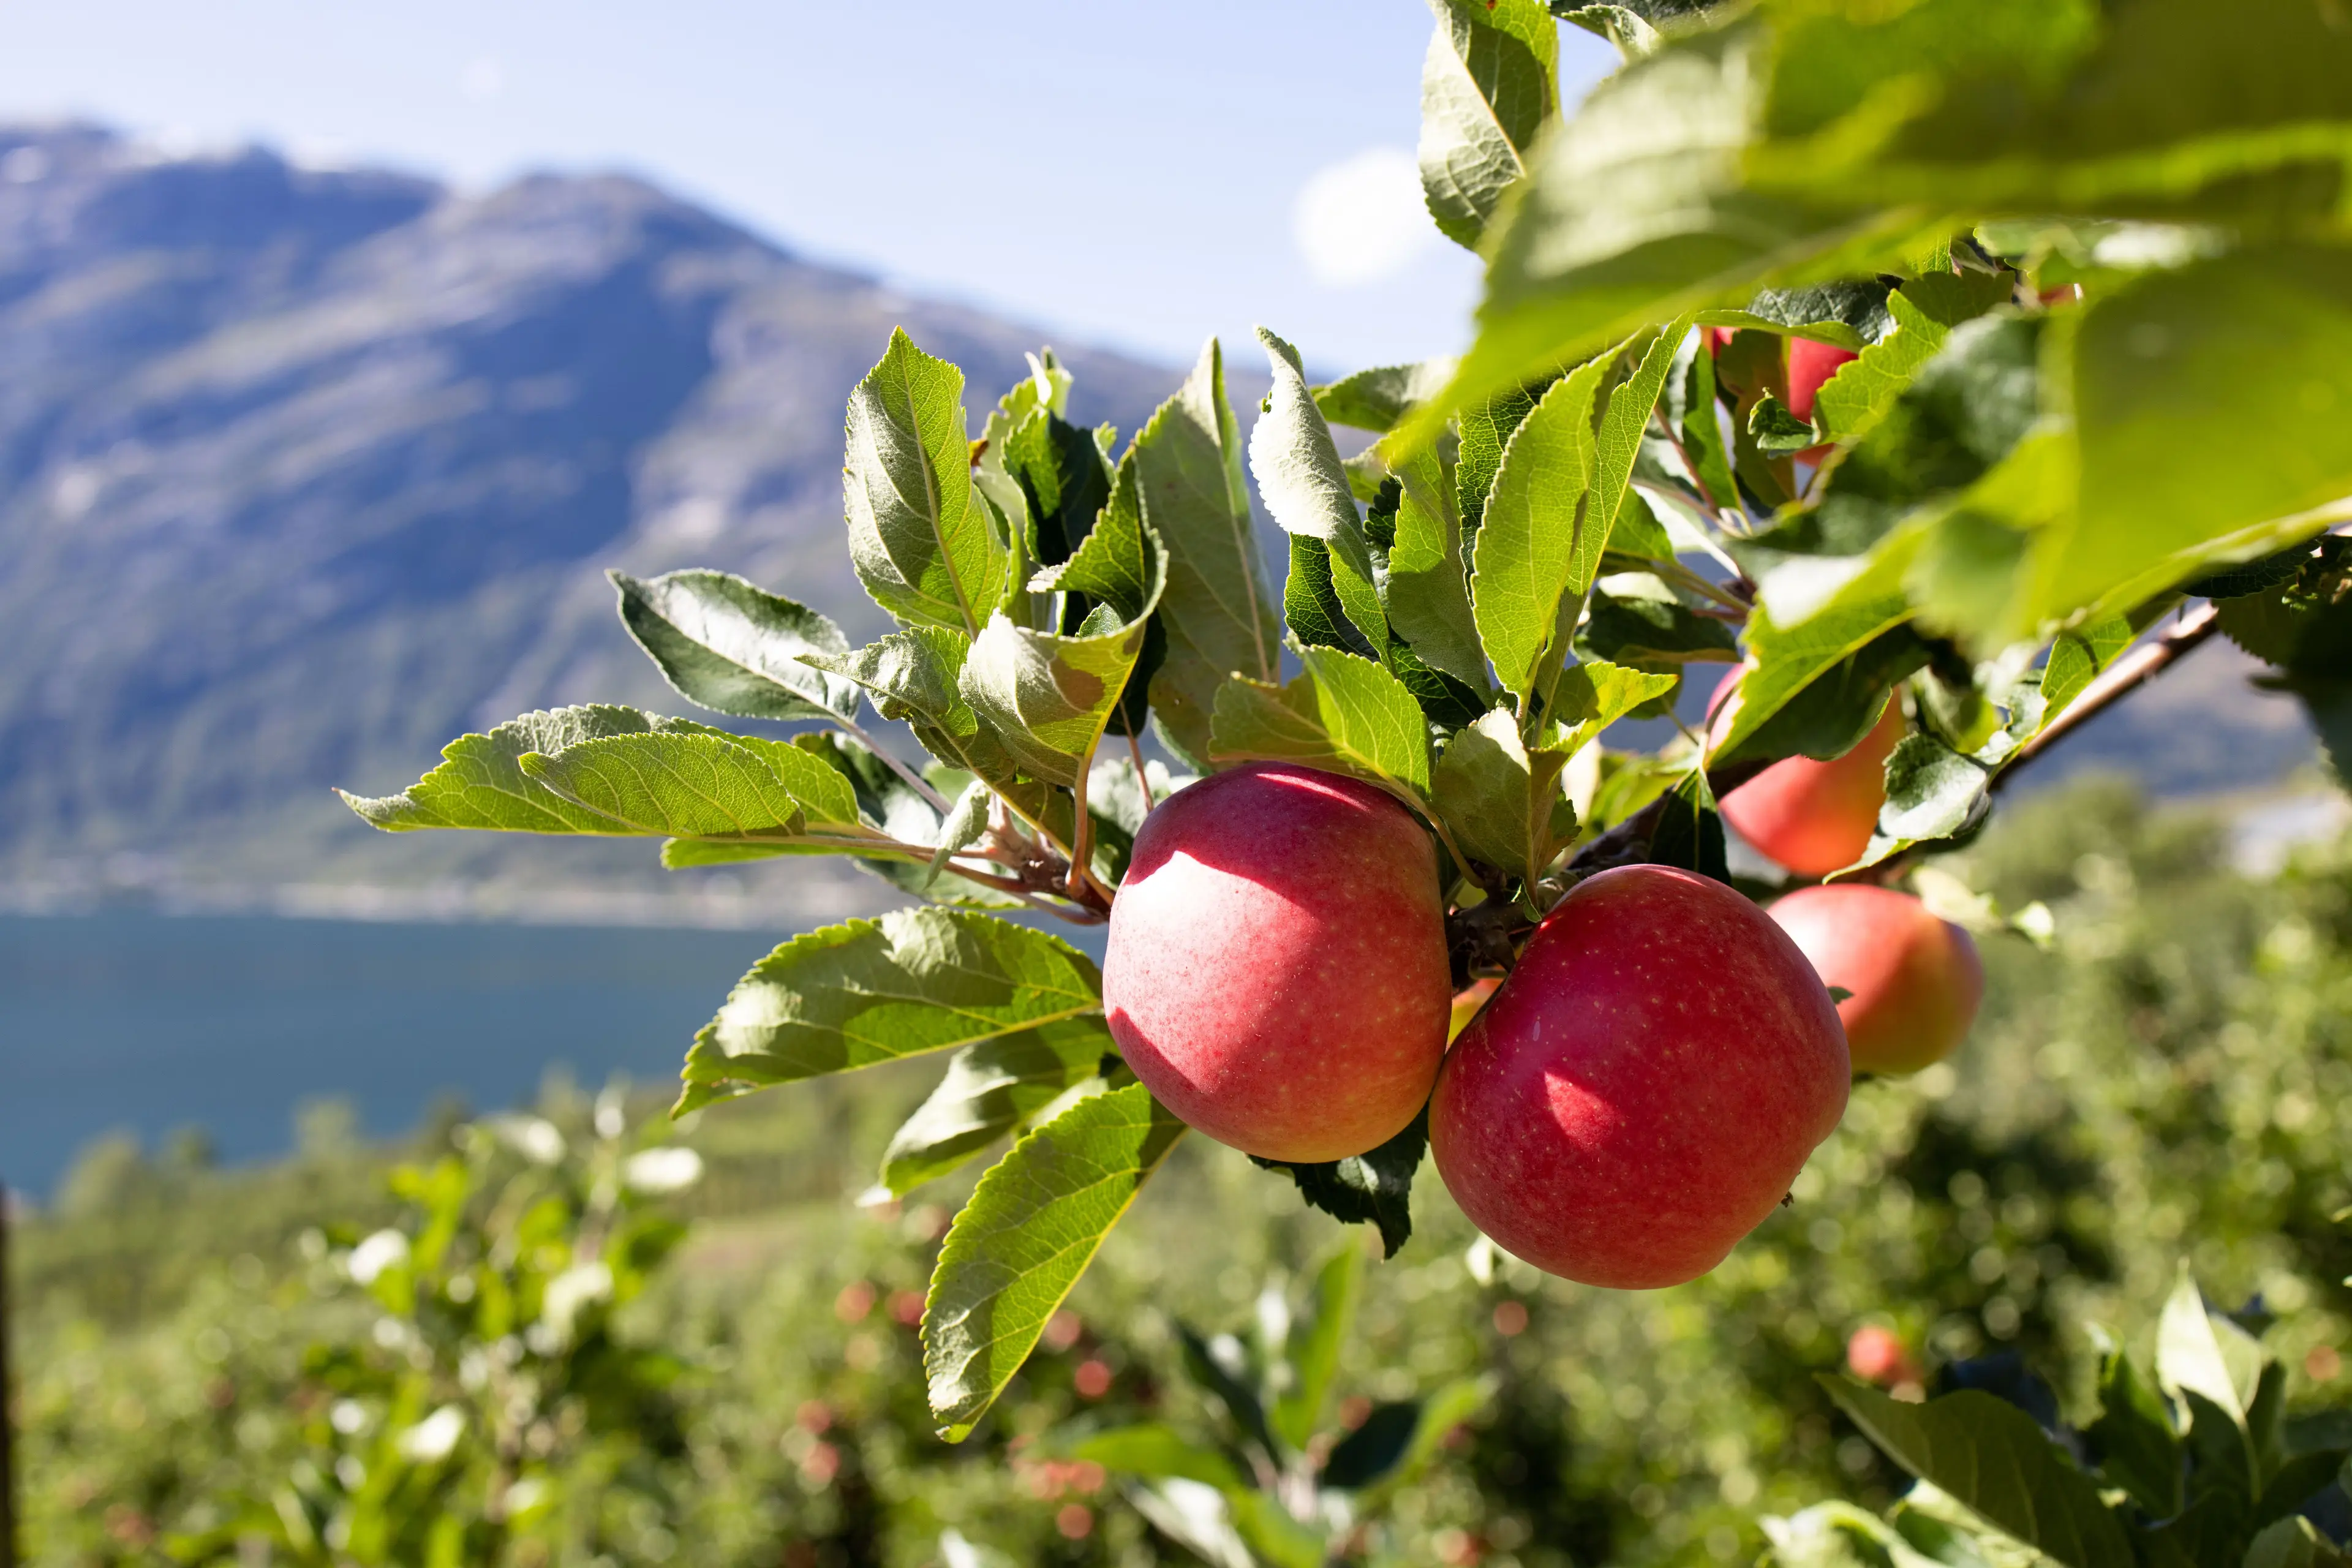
1139	175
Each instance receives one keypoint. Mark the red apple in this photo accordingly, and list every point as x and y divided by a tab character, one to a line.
1877	1355
1916	980
1277	973
1810	365
1645	1087
1814	817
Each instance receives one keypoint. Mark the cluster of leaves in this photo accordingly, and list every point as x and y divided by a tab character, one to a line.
2204	1467
1987	504
1272	1485
491	1405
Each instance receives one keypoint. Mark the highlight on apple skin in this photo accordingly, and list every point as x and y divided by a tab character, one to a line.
1916	980
1277	973
1645	1087
1813	816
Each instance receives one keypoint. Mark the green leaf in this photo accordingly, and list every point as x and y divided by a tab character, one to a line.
1272	1534
1852	403
1831	714
2076	658
1031	1228
1529	548
1372	1188
922	550
1376	399
1052	696
2201	1353
1593	695
1486	429
1153	1449
1316	1337
1849	314
991	1089
732	646
1310	604
1116	563
960	828
1689	833
1423	575
1306	489
1652	630
1061	480
2294	1482
1991	1457
1502	801
1623	426
1487	87
2293	1542
1777	432
2140	1452
850	995
1343	713
704	786
1932	792
887	801
1839	1535
481	783
1219	620
1620	26
1788	661
2211	426
1396	1440
1221	1369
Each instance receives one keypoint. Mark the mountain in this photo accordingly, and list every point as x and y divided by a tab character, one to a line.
304	472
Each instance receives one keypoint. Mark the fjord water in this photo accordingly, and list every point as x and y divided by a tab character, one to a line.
149	1023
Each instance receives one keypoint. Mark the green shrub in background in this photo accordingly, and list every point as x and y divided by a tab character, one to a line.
2164	1082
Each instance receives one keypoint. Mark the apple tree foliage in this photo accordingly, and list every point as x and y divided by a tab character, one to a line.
2094	262
2202	1464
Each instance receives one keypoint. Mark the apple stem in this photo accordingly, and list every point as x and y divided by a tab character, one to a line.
916	781
2118	680
1082	835
1142	778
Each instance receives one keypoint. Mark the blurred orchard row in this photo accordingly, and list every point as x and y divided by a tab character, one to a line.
586	1336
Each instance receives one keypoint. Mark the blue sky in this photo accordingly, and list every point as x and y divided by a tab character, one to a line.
1136	174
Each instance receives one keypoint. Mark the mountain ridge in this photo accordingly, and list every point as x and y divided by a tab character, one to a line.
303	472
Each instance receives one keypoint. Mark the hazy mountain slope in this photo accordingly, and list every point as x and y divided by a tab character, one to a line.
301	473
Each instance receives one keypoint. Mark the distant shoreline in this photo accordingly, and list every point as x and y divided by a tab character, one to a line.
487	903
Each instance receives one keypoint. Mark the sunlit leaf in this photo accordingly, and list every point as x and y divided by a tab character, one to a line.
913	981
1031	1228
922	549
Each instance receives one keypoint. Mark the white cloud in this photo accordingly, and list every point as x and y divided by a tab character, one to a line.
1361	220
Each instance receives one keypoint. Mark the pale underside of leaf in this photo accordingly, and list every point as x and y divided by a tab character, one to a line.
733	648
865	992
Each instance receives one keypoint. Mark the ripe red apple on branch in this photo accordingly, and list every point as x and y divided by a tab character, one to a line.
1813	816
1277	973
1914	980
1643	1087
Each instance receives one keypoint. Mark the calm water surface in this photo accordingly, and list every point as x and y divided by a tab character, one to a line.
151	1022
